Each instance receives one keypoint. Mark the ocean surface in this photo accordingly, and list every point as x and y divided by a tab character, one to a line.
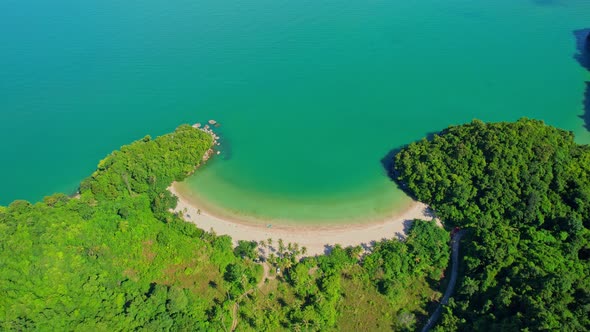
311	95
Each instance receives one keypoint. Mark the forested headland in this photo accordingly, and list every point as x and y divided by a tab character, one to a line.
522	190
116	258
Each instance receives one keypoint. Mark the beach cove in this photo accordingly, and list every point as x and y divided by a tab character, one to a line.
317	240
312	97
333	141
315	235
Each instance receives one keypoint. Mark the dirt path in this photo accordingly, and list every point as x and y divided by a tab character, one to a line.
451	287
235	309
265	275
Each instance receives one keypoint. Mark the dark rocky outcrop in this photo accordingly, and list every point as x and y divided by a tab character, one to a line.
583	47
583	57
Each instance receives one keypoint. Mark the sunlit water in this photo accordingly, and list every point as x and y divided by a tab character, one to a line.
311	95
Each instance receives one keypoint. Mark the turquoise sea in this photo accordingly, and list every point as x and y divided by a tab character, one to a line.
311	95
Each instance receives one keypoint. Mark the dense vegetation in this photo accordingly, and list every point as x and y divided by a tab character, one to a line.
116	258
522	190
388	289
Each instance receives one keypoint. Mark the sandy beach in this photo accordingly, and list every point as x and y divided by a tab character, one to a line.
317	239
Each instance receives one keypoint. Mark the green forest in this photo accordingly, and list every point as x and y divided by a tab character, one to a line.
115	257
522	190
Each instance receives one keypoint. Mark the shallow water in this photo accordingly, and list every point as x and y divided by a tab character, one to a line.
311	95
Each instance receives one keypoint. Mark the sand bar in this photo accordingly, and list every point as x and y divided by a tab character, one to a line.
317	239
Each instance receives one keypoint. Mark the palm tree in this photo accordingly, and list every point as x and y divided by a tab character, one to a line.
356	252
281	247
286	264
244	281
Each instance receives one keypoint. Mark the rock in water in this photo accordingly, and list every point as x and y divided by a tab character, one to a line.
212	122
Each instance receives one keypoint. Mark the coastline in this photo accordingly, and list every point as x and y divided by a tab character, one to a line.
317	239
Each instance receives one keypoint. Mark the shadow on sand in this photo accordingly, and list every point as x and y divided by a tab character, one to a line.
583	57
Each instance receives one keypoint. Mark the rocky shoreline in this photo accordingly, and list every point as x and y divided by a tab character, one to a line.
208	128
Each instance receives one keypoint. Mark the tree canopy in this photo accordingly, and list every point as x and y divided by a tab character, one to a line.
116	258
523	191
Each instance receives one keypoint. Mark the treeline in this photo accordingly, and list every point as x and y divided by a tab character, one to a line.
116	258
148	167
105	260
339	291
522	190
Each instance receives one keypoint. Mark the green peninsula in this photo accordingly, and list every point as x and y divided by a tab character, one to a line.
116	258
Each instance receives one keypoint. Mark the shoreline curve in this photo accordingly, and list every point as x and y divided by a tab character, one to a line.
317	239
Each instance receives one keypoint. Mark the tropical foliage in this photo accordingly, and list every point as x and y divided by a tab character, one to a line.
523	191
116	258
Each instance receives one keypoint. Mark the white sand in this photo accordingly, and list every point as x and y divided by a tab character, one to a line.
315	238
